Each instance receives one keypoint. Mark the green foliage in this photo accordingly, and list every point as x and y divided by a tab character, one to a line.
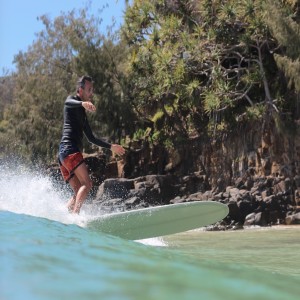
285	27
255	113
7	84
211	102
180	68
69	46
291	68
201	58
157	117
141	134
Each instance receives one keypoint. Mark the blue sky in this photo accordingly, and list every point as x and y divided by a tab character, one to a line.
18	21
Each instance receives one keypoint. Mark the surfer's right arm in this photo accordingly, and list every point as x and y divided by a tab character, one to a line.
74	102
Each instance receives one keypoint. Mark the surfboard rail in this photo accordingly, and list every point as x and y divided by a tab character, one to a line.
160	220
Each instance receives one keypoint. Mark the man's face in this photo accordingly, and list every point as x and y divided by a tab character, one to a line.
87	92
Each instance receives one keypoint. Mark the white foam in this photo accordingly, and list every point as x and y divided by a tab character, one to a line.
27	192
30	193
157	241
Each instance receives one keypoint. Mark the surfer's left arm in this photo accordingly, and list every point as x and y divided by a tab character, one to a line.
92	139
118	149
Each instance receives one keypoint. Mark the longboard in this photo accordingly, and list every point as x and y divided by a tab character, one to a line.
160	220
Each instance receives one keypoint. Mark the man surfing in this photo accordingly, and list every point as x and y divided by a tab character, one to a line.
72	165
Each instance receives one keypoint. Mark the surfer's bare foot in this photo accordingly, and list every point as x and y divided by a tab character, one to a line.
77	208
71	204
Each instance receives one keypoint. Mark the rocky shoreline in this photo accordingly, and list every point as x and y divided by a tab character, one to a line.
252	200
257	201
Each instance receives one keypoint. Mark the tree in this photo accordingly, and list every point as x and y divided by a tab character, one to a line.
284	26
200	66
67	48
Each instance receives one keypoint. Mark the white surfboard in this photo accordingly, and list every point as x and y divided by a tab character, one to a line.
160	220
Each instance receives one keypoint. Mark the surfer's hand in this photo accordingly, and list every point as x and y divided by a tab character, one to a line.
117	149
89	106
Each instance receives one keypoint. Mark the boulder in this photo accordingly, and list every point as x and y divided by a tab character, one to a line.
292	219
114	188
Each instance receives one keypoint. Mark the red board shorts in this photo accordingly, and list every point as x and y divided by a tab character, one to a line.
69	164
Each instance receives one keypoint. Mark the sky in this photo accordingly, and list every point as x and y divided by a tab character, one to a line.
19	23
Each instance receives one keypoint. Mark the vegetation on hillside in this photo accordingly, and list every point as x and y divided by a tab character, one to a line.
67	48
203	67
177	70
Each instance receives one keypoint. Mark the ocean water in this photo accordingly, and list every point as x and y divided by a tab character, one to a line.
46	253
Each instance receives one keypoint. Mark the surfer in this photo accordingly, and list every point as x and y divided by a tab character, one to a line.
72	165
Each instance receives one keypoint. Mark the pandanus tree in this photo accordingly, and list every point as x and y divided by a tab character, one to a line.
202	67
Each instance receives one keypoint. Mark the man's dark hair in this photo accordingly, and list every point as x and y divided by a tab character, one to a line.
82	80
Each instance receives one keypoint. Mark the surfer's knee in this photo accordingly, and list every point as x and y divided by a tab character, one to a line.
88	184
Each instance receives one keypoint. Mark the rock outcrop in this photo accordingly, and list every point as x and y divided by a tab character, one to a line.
265	202
254	170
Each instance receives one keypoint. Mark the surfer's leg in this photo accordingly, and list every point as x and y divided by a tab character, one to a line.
75	185
75	175
71	204
82	174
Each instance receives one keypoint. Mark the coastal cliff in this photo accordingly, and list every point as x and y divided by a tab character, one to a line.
256	173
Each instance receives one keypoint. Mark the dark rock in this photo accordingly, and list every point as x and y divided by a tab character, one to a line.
249	184
293	219
284	186
266	193
239	183
274	217
195	183
163	187
250	219
234	212
271	202
297	181
177	200
245	208
260	219
208	195
114	188
132	202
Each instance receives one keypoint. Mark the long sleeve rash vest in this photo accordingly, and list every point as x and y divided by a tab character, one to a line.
76	123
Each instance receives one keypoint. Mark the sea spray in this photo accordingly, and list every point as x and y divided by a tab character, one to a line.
24	191
28	192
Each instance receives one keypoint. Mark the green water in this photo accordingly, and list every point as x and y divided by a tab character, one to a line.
273	249
45	255
44	259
